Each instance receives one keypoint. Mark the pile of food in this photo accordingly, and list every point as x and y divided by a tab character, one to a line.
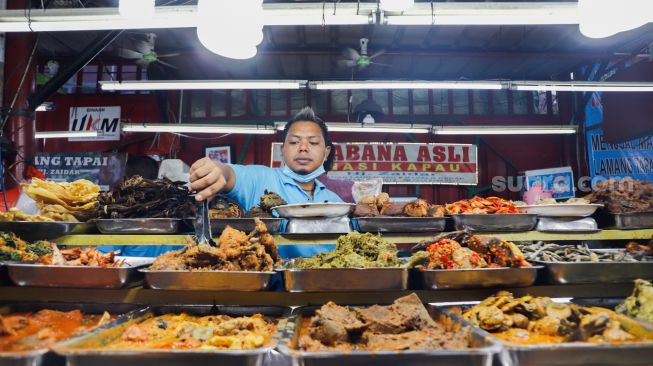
624	196
236	251
188	332
404	325
40	330
373	206
59	201
639	305
354	250
536	320
15	249
479	205
462	250
138	197
552	252
223	208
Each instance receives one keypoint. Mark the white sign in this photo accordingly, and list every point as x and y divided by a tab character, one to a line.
401	163
106	120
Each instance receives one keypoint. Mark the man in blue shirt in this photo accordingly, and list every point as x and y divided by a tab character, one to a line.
306	147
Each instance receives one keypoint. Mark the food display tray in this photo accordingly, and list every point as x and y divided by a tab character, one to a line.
323	209
345	279
84	350
437	279
41	275
484	348
319	225
245	224
626	221
567	225
207	280
44	230
561	209
597	272
495	222
138	226
44	357
400	224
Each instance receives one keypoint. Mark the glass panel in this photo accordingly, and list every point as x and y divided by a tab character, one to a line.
198	104
319	102
339	102
110	72
400	102
89	79
278	103
500	101
539	103
460	102
238	98
554	100
297	101
520	102
129	72
218	103
440	101
481	102
381	98
420	101
70	87
259	102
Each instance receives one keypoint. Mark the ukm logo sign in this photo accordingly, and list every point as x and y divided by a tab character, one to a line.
106	120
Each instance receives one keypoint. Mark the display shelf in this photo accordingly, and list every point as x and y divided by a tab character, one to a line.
139	295
313	239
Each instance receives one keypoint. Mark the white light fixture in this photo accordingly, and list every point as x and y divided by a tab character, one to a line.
396	5
504	130
301	13
487	13
136	9
581	86
395	84
230	28
201	84
64	134
371	127
197	128
605	18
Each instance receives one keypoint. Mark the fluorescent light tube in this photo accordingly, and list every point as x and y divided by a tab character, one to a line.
504	130
581	86
317	14
196	128
64	134
201	84
397	84
369	127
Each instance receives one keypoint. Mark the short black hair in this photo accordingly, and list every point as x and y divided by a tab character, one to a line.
308	114
142	165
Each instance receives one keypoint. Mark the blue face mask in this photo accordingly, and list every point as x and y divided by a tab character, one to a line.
303	178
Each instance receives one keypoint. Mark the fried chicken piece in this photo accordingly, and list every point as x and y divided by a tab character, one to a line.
392	209
382	199
231	240
417	208
437	211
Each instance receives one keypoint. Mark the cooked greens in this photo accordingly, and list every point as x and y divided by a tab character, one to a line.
354	250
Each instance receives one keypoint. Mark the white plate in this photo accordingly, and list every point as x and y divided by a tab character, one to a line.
561	209
325	209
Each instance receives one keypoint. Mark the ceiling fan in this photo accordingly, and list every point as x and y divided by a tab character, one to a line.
359	60
142	52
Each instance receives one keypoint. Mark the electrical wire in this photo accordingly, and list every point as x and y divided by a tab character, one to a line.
4	186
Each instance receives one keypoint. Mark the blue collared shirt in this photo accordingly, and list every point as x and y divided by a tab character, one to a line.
253	180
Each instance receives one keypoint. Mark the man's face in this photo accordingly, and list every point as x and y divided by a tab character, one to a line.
304	149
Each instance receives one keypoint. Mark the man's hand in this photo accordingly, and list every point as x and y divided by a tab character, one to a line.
208	178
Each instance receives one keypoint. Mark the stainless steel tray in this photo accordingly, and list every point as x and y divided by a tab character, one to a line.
208	280
345	279
244	224
319	225
44	357
479	277
32	231
318	209
496	222
484	348
567	225
77	356
401	224
642	220
41	275
597	272
138	226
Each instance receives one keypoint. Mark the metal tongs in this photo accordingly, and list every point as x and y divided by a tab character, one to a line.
203	224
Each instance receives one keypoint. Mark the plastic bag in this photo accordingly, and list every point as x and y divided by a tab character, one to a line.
365	188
